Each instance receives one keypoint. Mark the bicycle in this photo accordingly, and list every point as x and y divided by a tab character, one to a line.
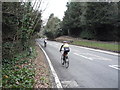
65	62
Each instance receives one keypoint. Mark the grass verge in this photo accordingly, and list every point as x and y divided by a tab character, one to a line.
109	46
99	45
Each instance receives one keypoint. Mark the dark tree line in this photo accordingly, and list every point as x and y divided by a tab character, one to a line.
92	20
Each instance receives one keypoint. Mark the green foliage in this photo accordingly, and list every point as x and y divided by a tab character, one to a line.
18	28
21	21
18	72
44	80
87	34
73	19
92	20
18	79
52	28
102	23
49	34
7	52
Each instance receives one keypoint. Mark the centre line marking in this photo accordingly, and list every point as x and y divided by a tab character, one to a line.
115	67
83	56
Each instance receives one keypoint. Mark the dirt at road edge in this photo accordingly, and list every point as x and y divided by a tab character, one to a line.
42	71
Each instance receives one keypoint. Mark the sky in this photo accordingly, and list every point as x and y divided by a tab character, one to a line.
56	7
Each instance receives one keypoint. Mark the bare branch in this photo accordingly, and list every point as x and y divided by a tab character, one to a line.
34	20
45	7
36	23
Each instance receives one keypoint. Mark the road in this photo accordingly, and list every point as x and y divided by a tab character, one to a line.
88	68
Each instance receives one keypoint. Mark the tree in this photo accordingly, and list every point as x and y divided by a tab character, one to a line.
20	23
100	19
52	28
74	18
91	20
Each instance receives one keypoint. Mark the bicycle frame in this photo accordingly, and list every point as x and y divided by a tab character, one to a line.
65	61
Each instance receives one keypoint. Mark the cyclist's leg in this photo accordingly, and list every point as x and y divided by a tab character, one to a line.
65	54
63	58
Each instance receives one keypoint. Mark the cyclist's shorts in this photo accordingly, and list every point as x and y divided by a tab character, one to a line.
66	49
65	52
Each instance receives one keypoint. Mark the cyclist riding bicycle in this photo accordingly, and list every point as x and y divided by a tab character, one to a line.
45	42
66	48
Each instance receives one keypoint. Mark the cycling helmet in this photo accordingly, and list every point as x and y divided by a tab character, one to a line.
64	41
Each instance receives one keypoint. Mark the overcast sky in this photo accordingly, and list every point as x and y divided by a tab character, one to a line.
56	7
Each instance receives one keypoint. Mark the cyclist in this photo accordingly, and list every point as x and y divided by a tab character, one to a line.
66	48
45	42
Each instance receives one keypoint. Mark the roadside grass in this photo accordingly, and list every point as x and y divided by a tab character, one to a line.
19	72
99	45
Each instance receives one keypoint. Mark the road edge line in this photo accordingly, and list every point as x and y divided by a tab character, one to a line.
57	81
98	50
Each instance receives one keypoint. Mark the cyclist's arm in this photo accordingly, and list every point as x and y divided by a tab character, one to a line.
61	47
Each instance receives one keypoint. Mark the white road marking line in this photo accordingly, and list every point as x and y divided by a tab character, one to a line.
115	67
56	44
69	84
83	56
98	57
57	81
94	56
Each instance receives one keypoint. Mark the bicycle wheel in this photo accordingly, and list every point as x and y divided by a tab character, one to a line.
67	62
62	60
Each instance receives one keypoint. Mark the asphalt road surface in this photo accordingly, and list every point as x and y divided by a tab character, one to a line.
88	68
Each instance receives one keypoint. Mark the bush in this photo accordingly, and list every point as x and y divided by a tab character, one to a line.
49	34
87	34
18	72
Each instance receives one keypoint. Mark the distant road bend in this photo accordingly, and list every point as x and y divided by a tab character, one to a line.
88	68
